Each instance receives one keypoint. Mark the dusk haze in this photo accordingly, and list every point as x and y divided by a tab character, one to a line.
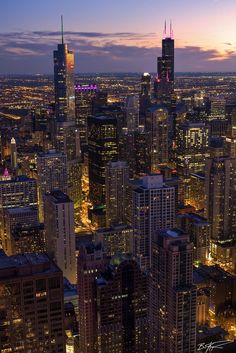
117	36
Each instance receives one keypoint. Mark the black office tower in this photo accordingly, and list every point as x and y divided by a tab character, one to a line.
164	84
102	148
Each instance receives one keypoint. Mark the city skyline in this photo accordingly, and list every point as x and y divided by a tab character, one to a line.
119	37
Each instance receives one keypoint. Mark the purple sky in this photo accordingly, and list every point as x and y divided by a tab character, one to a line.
117	36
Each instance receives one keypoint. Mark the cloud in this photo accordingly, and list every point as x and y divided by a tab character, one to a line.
95	51
21	51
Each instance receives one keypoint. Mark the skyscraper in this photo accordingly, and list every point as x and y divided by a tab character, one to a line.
102	148
121	296
221	209
91	261
64	81
52	174
192	142
116	239
23	231
31	313
67	141
220	183
13	154
117	183
84	95
60	232
172	294
157	127
15	192
132	113
164	84
145	95
153	210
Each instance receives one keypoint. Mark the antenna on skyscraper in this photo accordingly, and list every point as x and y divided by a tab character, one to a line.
164	33
171	30
62	30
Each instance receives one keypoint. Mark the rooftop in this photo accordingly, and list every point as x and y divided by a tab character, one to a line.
25	265
20	178
59	196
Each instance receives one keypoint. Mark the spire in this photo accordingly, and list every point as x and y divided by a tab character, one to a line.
62	30
171	30
164	32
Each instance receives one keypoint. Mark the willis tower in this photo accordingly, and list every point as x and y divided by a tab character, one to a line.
164	84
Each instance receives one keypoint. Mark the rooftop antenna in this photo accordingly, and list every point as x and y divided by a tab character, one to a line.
164	33
62	30
171	30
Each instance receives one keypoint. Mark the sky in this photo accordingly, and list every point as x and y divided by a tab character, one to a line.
117	35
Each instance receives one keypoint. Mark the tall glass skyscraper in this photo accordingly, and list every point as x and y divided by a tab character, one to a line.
64	82
164	84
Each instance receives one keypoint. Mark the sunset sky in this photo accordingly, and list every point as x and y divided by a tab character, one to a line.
118	36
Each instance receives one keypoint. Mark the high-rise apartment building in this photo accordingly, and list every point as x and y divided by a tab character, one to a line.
221	209
157	127
145	95
13	154
18	192
153	210
102	148
67	141
52	174
132	113
220	179
23	232
91	261
192	142
172	294
122	298
218	107
84	95
64	82
60	232
31	313
116	239
199	230
14	193
117	183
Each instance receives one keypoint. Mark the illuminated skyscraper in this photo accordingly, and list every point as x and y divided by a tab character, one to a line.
24	233
102	148
164	84
132	113
67	141
91	261
52	174
157	127
221	208
84	95
172	294
121	296
192	142
64	82
220	182
153	210
60	232
117	183
31	312
13	154
18	192
145	95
